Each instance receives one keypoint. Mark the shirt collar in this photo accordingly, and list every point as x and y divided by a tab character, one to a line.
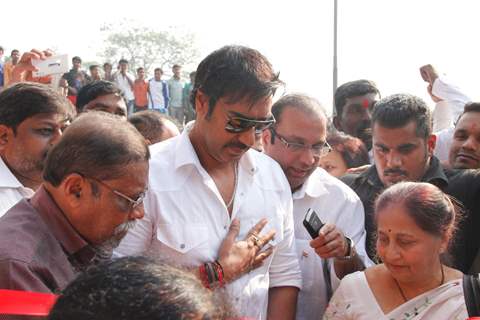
71	241
185	154
434	174
313	186
7	179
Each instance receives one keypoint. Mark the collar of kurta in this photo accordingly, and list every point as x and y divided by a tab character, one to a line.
313	186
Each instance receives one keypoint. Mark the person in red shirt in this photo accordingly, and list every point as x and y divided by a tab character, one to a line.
140	91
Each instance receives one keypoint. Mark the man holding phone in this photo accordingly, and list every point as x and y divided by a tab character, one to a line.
335	216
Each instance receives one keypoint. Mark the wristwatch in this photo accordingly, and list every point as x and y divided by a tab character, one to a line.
350	250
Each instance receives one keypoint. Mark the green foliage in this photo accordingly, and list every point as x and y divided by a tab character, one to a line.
145	47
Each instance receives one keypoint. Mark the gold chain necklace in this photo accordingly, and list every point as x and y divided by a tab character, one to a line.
403	294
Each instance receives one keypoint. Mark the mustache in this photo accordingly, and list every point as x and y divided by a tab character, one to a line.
122	230
237	145
394	171
365	128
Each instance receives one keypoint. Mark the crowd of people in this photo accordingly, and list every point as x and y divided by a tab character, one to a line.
128	213
165	96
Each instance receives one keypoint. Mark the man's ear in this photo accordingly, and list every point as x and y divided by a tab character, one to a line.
431	143
74	188
336	123
5	135
266	138
201	103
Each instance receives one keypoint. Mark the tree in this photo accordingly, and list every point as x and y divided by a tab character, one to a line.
145	47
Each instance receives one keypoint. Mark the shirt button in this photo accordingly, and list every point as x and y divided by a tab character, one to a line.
241	193
225	227
182	246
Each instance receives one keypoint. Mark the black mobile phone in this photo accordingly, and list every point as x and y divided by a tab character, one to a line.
312	223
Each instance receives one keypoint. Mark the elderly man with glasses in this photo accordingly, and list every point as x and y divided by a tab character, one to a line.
297	142
95	179
207	181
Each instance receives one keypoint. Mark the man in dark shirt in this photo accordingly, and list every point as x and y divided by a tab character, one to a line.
94	184
354	101
403	145
76	78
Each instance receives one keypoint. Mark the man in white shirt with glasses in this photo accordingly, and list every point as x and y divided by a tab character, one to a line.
206	181
296	142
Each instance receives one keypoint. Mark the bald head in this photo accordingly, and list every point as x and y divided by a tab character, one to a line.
300	103
97	144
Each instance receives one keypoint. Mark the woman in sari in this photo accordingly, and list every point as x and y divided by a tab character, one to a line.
415	223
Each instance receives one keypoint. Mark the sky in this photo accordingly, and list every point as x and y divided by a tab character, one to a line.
384	41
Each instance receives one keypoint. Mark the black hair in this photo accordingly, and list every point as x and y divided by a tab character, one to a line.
93	66
27	99
235	73
352	89
136	288
95	89
158	69
398	110
96	144
123	61
76	58
469	107
151	124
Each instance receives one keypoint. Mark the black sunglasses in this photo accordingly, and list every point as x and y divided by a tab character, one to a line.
239	124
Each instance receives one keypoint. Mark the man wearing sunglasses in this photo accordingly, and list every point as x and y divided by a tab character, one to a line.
95	179
206	181
297	142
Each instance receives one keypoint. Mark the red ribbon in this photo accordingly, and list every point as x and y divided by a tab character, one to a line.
13	302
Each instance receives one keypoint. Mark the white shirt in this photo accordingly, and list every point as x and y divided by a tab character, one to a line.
155	98
11	190
124	85
444	141
446	112
186	219
335	203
